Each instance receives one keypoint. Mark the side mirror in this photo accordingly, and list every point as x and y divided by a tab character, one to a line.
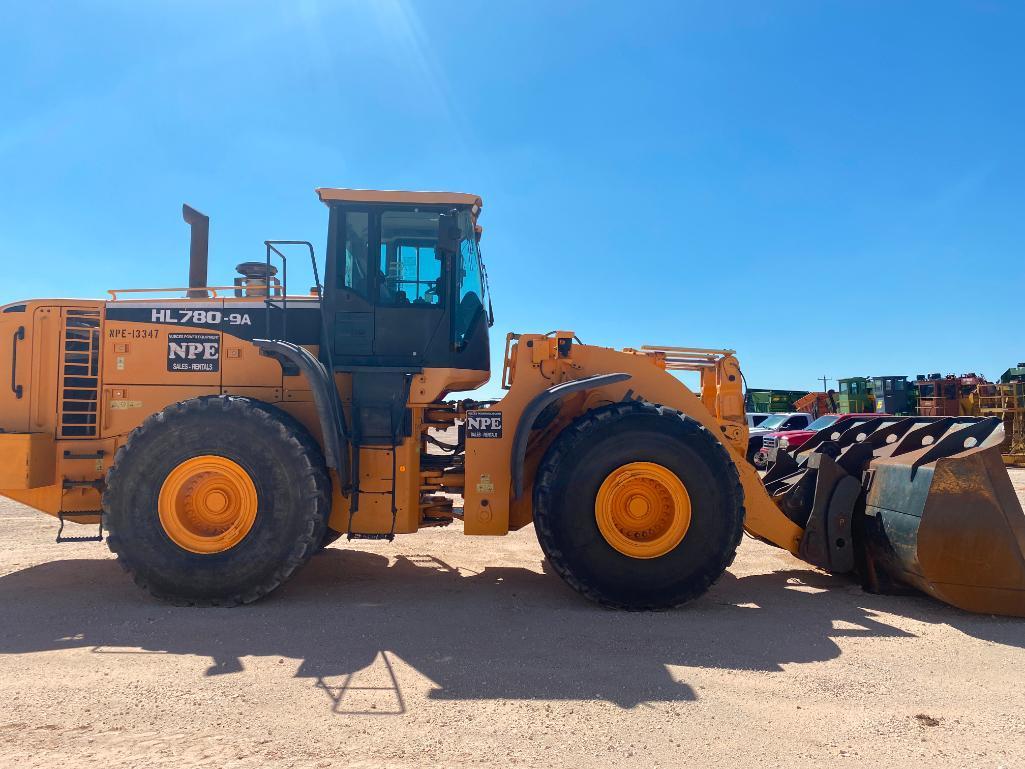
449	234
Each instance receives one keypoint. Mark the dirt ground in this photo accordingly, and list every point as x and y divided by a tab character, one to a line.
450	651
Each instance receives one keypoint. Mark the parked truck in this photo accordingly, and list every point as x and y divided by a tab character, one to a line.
792	420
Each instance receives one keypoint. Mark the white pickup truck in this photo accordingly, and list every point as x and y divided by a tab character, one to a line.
791	420
755	418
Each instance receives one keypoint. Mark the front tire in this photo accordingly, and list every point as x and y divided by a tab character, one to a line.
216	501
637	506
760	460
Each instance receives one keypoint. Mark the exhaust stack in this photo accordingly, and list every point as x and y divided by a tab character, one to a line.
199	248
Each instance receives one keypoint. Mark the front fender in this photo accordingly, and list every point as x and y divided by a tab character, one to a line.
535	407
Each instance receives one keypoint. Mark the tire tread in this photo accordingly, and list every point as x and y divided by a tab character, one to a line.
577	434
313	482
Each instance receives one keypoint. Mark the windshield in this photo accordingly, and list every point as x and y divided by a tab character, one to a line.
470	281
410	268
773	422
823	422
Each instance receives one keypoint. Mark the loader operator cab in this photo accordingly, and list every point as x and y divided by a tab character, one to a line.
404	283
404	291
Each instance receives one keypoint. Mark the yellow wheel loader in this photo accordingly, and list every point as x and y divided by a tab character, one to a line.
222	435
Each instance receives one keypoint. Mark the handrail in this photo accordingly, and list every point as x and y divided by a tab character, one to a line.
692	350
19	336
271	246
212	289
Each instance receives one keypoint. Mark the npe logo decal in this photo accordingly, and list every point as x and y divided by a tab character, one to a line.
193	352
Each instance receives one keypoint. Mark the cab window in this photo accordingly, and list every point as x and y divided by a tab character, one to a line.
354	273
409	267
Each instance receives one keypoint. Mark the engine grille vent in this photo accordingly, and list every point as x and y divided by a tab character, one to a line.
80	342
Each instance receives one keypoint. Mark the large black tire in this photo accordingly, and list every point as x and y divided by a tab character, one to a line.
574	468
293	500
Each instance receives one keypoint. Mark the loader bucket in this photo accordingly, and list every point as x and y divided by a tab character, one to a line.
936	510
952	527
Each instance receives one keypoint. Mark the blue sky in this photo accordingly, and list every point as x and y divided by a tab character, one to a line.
829	188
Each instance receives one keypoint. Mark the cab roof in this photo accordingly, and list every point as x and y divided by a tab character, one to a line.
330	195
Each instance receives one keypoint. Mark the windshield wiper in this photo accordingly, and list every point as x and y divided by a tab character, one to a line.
487	288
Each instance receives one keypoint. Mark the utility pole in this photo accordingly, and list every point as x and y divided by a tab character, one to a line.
832	405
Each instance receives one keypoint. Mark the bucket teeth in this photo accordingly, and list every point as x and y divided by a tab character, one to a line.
937	510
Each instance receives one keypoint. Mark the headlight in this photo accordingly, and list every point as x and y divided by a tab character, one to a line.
783	443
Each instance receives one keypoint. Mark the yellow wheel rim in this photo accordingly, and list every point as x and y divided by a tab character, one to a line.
643	510
207	504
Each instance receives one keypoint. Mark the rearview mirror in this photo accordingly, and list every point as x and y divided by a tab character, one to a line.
448	234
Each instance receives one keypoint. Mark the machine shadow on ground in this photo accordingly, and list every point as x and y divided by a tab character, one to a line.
503	633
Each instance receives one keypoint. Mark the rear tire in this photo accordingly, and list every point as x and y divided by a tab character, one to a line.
593	449
268	449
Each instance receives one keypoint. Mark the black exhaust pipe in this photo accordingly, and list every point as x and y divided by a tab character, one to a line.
199	248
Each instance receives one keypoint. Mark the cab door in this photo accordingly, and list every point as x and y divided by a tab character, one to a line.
348	300
411	290
17	334
53	354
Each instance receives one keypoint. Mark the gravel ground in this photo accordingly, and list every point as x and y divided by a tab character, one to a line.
453	651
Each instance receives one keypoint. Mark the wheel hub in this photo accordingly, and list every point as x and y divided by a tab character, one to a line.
207	504
643	510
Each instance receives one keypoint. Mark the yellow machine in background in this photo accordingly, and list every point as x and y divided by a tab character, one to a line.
224	436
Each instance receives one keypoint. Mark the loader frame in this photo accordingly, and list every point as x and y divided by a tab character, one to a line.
355	393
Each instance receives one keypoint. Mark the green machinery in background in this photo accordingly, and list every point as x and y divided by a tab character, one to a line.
882	394
877	394
856	395
1016	374
772	401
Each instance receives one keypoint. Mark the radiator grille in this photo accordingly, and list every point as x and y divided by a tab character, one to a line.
80	344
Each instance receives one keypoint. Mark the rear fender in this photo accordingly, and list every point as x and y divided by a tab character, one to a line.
325	396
